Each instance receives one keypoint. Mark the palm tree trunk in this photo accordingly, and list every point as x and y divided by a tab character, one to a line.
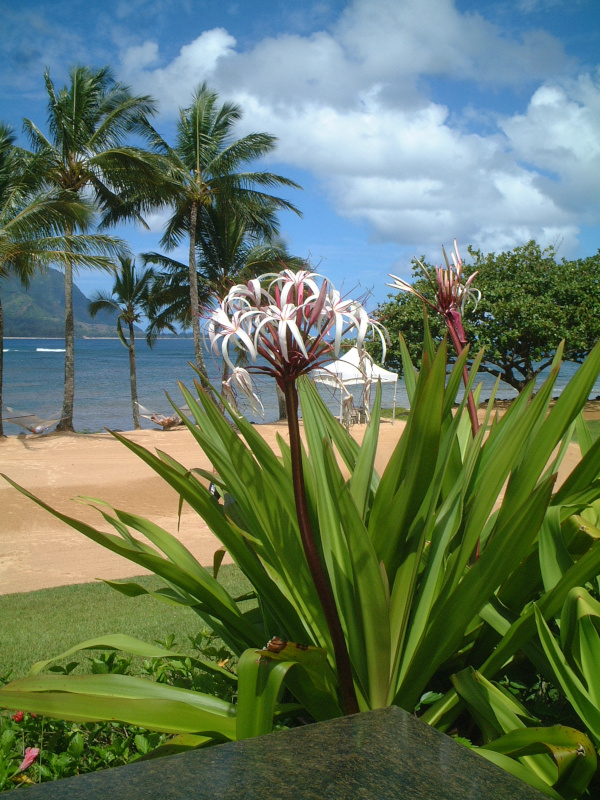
194	305
1	363
133	379
281	403
224	377
66	423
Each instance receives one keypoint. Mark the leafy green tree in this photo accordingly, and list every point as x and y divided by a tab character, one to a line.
31	222
86	153
206	162
529	303
130	299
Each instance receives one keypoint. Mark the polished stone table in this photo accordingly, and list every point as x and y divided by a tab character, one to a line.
379	755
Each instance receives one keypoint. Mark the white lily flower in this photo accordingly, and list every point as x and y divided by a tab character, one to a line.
242	380
452	293
294	325
222	329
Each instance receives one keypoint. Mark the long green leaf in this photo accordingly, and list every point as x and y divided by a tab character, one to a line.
135	701
259	683
118	641
568	680
520	771
369	592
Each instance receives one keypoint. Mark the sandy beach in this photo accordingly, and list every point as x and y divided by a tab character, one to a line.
38	551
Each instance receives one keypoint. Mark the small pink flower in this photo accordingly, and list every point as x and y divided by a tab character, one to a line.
31	753
18	717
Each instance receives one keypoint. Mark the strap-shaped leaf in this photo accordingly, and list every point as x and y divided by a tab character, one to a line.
135	701
452	617
573	758
117	641
568	680
555	559
407	477
259	683
550	605
521	771
369	592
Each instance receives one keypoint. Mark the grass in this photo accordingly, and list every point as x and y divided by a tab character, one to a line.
594	426
41	624
401	413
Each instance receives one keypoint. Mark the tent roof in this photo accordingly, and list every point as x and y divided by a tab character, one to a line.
346	370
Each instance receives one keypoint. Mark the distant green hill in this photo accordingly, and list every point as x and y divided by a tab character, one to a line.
39	311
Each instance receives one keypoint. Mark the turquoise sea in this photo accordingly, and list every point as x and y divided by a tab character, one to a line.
34	368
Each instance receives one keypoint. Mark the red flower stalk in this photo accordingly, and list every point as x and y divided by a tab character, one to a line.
452	295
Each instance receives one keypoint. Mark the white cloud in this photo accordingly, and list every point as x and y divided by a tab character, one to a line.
174	83
432	37
560	134
351	105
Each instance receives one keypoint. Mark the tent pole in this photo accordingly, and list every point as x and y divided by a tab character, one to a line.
394	411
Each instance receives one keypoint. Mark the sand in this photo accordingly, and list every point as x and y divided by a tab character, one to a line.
38	551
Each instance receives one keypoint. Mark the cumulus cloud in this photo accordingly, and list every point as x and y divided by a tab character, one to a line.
174	83
560	135
352	104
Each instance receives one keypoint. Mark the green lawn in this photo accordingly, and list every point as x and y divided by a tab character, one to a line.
41	624
594	426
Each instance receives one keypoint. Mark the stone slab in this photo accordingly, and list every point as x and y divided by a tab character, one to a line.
380	755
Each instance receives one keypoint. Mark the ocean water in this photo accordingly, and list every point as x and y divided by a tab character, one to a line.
34	370
34	374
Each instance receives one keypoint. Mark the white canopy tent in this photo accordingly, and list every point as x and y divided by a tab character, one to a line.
351	370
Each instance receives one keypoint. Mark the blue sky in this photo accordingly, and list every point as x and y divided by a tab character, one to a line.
408	122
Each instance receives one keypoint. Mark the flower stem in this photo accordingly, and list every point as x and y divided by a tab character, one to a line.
315	566
470	400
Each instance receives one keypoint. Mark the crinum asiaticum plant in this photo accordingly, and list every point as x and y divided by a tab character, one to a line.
396	550
295	325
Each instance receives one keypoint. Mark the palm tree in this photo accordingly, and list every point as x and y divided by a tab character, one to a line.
206	162
130	297
31	222
86	153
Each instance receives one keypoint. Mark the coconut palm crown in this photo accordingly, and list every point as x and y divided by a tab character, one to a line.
32	221
86	153
207	162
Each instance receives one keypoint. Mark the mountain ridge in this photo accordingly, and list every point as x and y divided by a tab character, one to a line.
39	312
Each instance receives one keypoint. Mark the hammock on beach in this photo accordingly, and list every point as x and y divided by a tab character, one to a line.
165	422
30	422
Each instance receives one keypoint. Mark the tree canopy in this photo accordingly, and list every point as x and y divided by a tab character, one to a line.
530	302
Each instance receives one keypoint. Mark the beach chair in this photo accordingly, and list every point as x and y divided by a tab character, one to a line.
30	422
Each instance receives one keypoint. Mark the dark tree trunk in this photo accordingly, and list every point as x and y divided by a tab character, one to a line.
66	423
281	403
133	379
194	305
